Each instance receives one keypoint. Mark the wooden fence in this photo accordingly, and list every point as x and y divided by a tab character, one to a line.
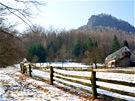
61	77
26	68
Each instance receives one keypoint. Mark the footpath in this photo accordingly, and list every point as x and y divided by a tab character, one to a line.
14	86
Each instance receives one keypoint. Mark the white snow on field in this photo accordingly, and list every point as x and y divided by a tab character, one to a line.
40	74
16	87
58	94
113	76
117	76
62	64
110	76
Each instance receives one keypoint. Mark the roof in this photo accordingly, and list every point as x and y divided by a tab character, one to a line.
118	54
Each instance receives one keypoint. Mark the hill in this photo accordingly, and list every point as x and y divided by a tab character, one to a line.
105	20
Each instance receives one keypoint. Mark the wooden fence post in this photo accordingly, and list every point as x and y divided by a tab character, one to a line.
51	75
21	66
93	84
23	69
30	70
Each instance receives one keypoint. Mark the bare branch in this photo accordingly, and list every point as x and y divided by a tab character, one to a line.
33	2
9	34
7	7
10	44
22	14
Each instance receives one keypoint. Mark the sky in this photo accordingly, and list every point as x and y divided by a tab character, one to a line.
71	14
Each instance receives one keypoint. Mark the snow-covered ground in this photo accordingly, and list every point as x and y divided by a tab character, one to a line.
16	87
111	76
62	64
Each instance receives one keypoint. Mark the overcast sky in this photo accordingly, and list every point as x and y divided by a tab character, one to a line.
71	14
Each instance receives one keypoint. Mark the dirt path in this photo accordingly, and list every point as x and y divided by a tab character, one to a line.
16	87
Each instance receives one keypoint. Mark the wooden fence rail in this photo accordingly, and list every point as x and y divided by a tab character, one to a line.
26	68
65	79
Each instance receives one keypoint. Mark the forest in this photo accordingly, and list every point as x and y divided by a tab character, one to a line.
87	46
37	44
41	45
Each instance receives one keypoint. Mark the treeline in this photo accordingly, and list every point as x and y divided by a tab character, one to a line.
89	46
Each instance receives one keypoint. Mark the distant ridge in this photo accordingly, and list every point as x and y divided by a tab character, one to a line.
106	20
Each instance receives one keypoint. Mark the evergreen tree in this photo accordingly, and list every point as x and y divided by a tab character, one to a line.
77	48
38	52
41	53
90	45
31	53
115	45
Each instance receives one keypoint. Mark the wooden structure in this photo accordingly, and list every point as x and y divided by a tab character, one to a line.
26	68
66	79
120	58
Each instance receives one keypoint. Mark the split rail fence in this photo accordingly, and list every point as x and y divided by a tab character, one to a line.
61	77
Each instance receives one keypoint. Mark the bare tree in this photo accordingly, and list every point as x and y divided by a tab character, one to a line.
21	9
93	56
10	43
10	49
